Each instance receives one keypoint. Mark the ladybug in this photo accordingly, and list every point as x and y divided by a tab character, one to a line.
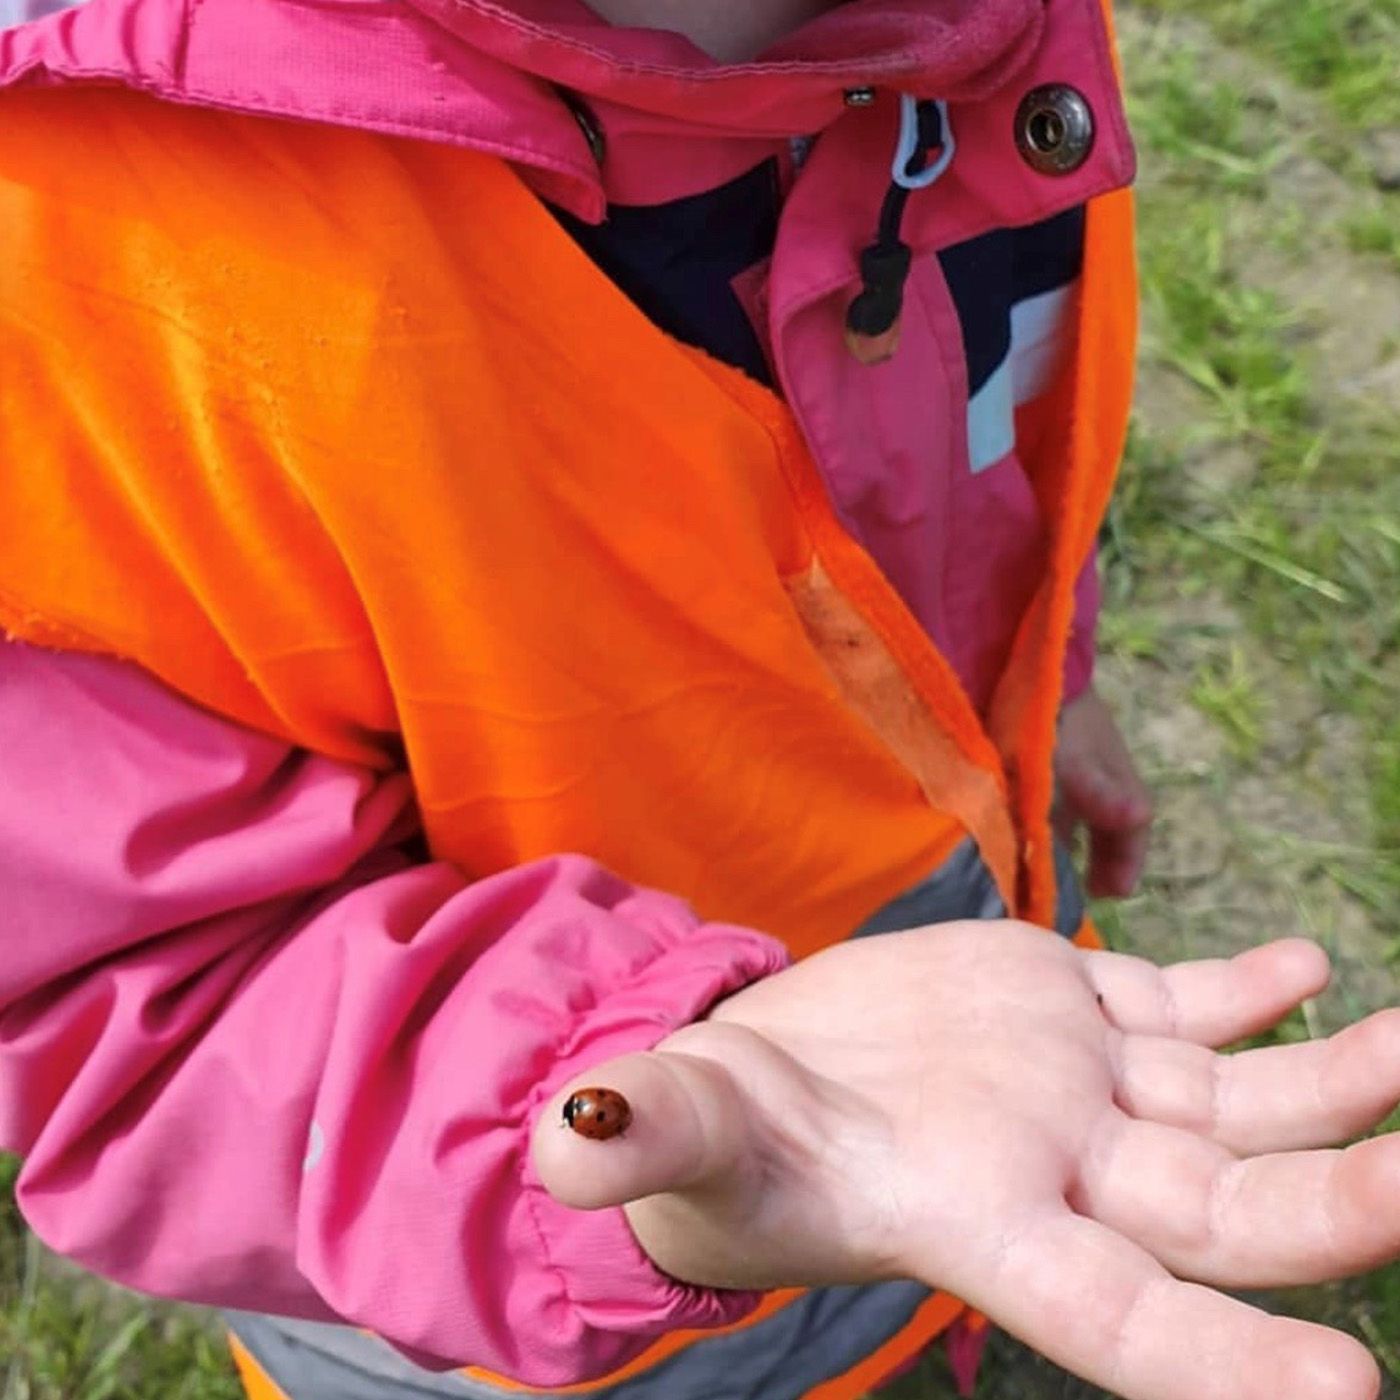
597	1113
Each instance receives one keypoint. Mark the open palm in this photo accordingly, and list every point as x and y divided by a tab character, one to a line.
1042	1131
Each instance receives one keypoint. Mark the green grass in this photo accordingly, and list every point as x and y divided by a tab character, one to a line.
1308	546
1347	50
1197	128
1377	230
62	1338
1227	693
1253	554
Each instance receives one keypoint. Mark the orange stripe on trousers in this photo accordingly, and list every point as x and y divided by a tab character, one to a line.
255	1379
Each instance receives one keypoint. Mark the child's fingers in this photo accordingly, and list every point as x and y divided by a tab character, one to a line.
1100	1306
1278	1099
1117	809
1115	800
1211	1002
1263	1222
1116	860
684	1129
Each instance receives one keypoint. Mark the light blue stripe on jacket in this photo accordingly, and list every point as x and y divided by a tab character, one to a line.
1038	333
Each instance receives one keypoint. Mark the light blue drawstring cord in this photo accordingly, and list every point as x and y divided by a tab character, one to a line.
909	145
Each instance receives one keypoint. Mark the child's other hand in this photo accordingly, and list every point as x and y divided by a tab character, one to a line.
1099	788
1040	1130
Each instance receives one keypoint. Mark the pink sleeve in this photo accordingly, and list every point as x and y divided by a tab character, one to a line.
256	1057
1079	658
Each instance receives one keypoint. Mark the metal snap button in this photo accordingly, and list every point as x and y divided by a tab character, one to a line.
1054	129
859	96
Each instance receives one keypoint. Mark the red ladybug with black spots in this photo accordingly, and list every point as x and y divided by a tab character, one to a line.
597	1113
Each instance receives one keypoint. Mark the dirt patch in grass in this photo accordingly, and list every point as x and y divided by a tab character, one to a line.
1264	777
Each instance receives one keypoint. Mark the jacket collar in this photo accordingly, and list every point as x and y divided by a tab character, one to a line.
488	75
954	49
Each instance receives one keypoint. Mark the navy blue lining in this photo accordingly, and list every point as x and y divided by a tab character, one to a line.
989	274
677	262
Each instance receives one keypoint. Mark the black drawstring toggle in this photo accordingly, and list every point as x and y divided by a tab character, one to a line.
883	273
872	319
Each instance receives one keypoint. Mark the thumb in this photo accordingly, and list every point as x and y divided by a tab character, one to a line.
686	1130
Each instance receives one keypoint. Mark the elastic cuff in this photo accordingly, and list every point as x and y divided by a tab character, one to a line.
610	1282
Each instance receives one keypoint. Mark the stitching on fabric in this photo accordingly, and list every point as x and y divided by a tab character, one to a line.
210	98
400	127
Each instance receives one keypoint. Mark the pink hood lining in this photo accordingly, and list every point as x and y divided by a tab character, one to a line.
955	49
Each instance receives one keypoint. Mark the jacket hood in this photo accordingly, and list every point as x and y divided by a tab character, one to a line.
953	49
489	75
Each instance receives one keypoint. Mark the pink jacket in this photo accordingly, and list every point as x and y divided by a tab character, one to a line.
223	979
244	1039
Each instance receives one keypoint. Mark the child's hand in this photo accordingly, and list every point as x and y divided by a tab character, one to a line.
1099	787
1040	1130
